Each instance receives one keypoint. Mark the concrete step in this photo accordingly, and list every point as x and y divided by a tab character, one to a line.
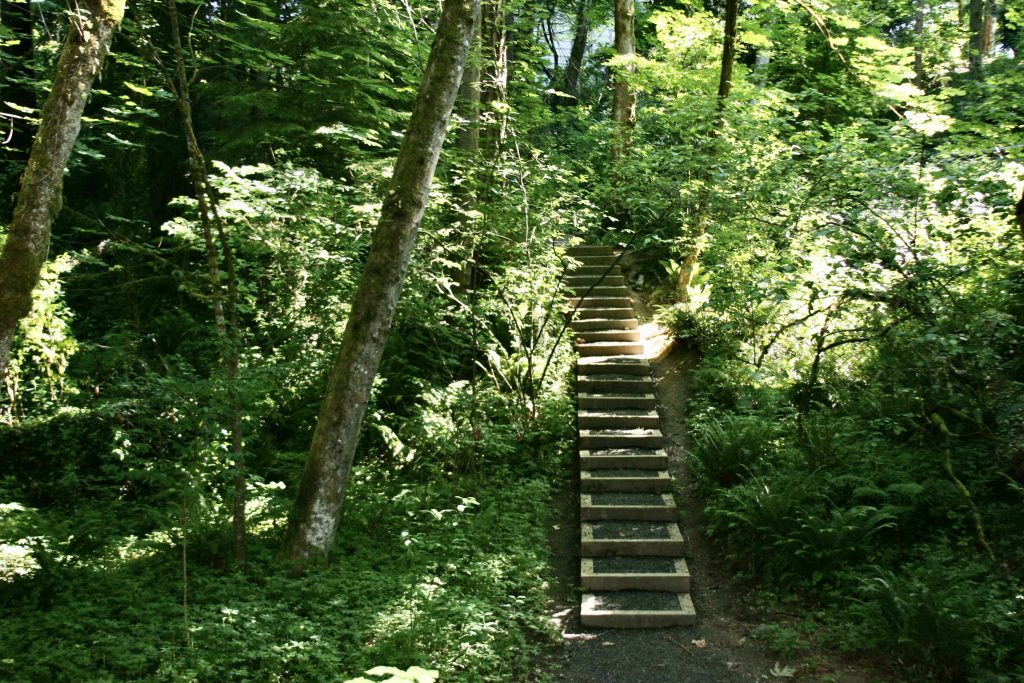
597	439
623	458
612	401
615	384
646	507
586	336
590	250
621	539
587	280
606	348
605	324
635	573
615	610
603	313
596	259
623	418
600	290
613	365
625	480
597	270
600	302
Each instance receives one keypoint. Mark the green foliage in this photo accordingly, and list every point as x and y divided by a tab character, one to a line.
941	614
727	451
857	287
56	459
43	347
858	273
786	641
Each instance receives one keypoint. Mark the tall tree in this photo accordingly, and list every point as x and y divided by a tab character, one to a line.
732	11
919	43
689	266
980	25
574	67
624	97
494	72
91	28
468	107
225	309
325	480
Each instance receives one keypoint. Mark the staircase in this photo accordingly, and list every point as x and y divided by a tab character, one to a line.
631	569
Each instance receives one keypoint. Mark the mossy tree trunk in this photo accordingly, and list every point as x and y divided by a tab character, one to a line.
325	481
91	29
623	96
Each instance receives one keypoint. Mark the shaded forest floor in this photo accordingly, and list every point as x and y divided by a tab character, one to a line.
725	645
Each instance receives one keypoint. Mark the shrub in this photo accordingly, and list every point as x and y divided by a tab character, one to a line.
947	616
728	450
58	457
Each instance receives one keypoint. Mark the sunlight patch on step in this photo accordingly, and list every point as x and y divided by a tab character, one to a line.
657	340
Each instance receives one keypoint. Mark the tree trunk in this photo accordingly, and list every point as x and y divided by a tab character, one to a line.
468	138
1020	214
39	200
574	67
976	39
691	261
225	318
494	76
919	43
324	483
728	51
988	28
623	97
468	142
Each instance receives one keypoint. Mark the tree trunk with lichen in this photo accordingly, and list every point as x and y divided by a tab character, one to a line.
39	200
624	97
324	483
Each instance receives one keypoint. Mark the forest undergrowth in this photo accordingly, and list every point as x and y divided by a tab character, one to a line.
448	576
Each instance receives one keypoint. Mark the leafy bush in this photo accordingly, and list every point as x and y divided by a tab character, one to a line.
60	457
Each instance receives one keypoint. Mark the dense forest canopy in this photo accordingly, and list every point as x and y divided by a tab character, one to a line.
826	199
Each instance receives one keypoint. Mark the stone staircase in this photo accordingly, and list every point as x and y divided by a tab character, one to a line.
631	569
